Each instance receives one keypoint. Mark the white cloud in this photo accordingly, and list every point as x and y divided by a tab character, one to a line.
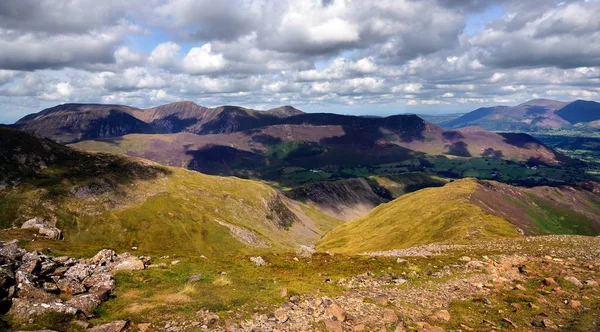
201	60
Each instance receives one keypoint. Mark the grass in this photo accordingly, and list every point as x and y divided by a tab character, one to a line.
433	215
554	219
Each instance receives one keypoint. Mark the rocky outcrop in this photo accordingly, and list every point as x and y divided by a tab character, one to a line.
43	228
34	284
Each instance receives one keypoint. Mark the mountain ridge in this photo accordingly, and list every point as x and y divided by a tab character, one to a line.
532	115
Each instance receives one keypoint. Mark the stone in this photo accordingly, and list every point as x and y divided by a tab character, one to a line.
116	326
258	261
359	327
549	282
99	282
78	272
175	262
389	316
575	304
11	251
70	286
43	228
520	287
25	309
590	283
510	322
194	278
81	324
381	300
335	312
465	258
51	287
281	316
442	315
305	251
85	303
549	324
29	262
574	281
129	264
103	257
143	327
333	325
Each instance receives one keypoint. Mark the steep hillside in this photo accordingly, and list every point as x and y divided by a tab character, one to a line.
75	122
467	210
343	199
118	202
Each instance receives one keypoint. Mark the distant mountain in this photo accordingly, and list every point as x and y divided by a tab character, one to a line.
530	116
466	210
70	123
534	115
103	200
75	122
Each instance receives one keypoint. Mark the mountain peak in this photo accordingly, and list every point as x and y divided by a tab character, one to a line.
544	102
285	111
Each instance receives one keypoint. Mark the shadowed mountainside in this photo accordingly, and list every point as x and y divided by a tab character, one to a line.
70	123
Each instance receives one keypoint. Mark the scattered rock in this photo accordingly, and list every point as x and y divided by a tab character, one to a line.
128	263
335	312
194	278
550	282
574	281
305	251
116	326
258	261
281	316
442	315
465	258
549	324
574	304
175	262
389	316
43	228
333	325
143	327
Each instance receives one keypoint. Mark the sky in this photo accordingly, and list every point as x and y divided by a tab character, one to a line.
345	56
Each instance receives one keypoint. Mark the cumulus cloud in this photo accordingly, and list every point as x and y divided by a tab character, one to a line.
387	55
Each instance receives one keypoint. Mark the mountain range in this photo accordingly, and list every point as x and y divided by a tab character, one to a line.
531	116
232	209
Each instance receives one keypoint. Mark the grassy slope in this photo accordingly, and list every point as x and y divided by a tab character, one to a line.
102	200
434	215
176	214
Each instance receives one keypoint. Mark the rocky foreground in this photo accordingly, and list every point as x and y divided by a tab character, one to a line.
536	283
542	283
33	284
